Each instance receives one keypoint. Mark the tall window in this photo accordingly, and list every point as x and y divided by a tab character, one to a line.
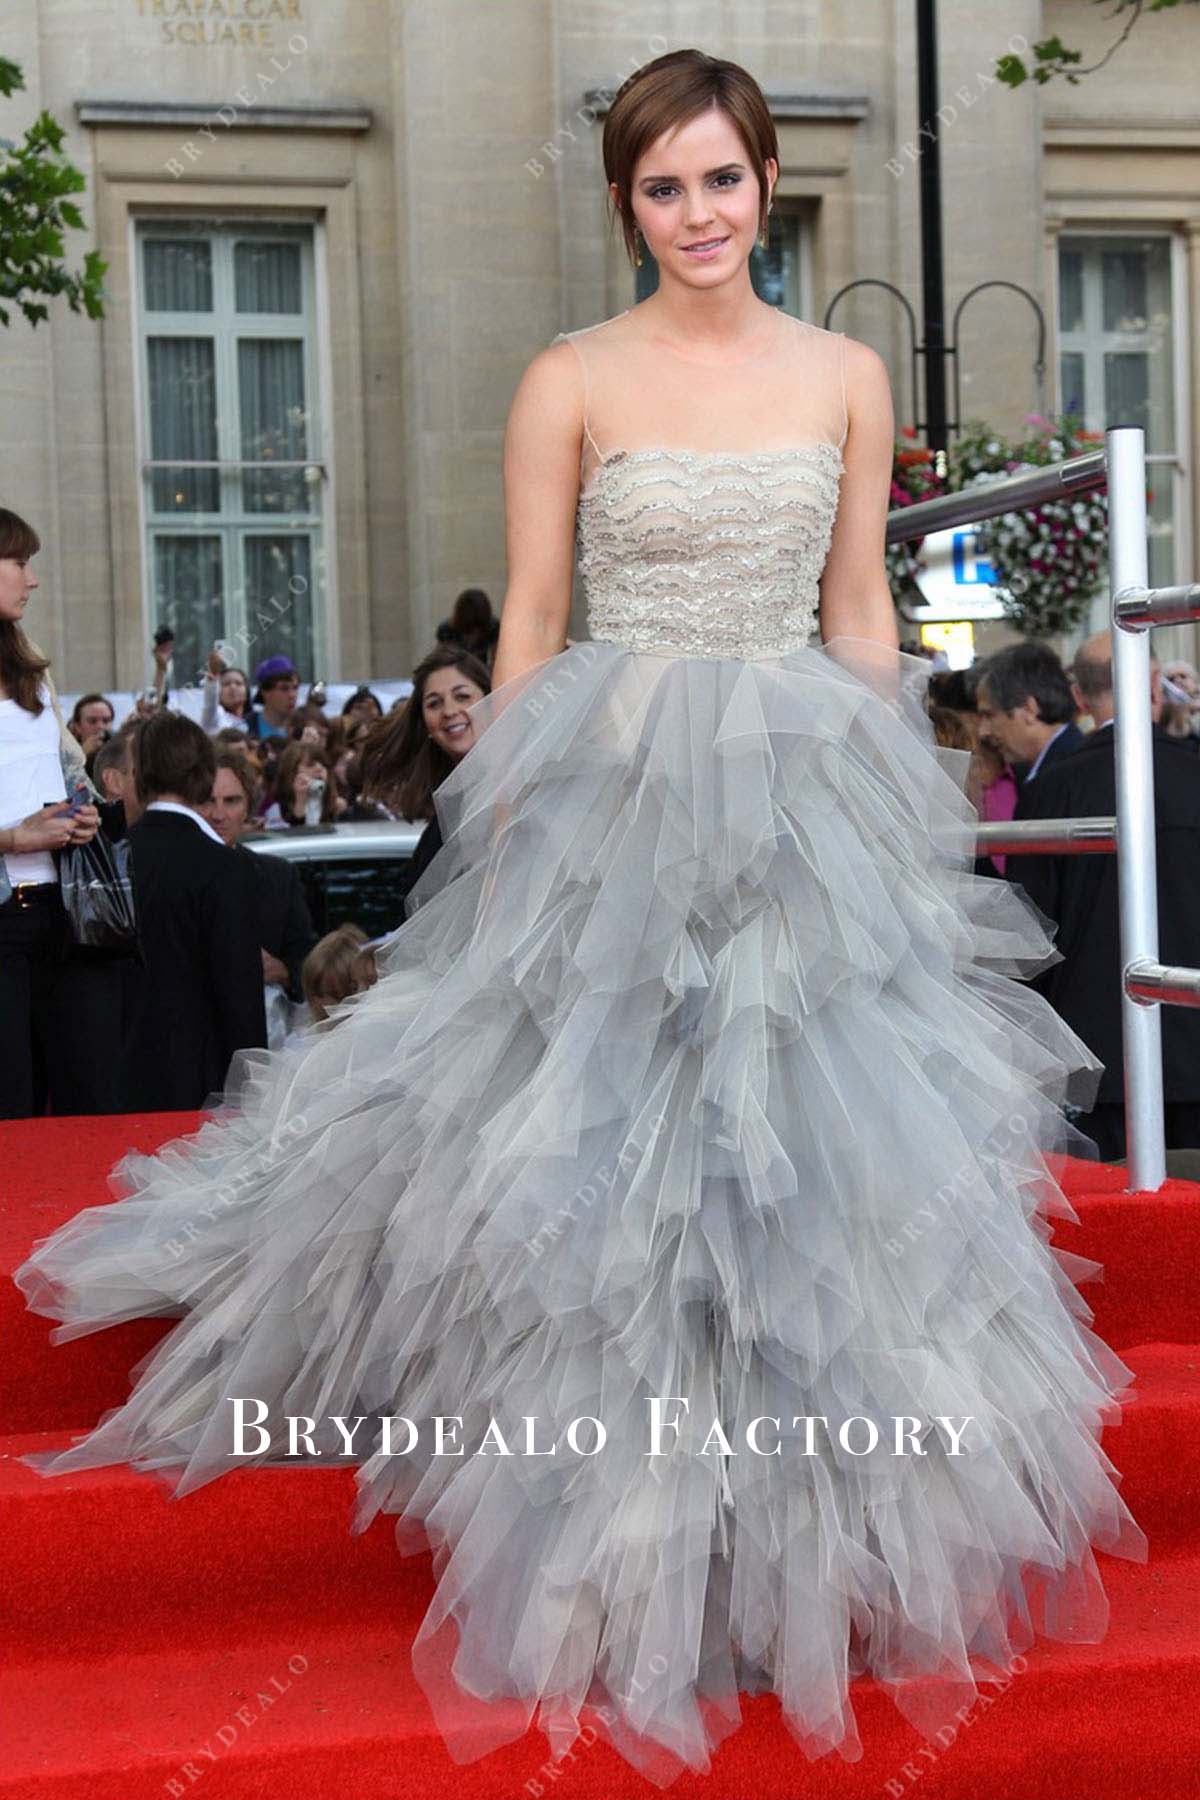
779	274
233	477
1117	364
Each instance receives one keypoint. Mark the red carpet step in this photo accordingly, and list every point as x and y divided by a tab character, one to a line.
51	1168
236	1550
1118	1719
240	1642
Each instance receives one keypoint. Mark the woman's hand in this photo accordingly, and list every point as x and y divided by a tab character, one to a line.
49	828
85	824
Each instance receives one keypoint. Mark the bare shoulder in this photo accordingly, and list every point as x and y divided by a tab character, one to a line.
554	370
549	397
864	365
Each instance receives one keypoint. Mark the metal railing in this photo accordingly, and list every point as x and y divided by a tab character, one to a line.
1146	983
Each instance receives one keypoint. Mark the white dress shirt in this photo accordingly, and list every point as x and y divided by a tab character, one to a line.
30	774
188	812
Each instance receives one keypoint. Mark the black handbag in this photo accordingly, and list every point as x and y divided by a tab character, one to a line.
96	879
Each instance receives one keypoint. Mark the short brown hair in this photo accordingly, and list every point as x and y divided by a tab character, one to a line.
112	755
671	91
172	755
292	758
338	965
243	770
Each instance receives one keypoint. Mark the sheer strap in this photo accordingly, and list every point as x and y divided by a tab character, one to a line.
568	337
647	397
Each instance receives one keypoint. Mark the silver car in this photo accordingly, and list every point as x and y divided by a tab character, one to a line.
353	873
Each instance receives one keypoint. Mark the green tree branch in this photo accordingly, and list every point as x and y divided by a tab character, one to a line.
1052	58
36	180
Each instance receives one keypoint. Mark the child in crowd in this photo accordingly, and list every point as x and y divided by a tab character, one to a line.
338	965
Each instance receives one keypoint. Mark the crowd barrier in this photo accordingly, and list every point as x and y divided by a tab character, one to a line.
1147	984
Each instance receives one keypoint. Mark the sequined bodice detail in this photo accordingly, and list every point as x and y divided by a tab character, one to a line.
707	553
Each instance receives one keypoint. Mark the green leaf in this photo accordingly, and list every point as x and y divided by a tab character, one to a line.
1012	71
35	178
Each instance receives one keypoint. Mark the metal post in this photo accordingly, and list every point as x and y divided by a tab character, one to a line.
1133	751
929	179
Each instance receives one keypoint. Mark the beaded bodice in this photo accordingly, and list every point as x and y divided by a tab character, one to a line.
690	552
707	554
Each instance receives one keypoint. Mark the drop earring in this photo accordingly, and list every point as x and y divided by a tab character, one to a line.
763	239
637	255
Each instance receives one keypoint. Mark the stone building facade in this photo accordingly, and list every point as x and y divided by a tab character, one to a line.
337	231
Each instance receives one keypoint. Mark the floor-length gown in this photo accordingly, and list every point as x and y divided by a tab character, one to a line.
699	1086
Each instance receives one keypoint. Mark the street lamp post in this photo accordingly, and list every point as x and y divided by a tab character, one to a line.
929	174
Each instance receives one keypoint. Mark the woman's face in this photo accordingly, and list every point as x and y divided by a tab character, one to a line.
306	774
233	690
17	582
696	183
444	702
365	706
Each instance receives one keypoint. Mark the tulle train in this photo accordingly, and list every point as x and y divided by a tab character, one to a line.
699	1072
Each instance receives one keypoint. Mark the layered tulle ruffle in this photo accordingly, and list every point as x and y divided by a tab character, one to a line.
700	1071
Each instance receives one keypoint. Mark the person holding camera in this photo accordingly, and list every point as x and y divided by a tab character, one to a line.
51	1061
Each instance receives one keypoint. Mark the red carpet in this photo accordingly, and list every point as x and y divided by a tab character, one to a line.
241	1642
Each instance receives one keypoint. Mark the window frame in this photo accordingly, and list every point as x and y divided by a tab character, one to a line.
1177	459
234	526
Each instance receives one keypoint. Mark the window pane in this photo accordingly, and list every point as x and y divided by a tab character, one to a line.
267	278
1123	281
1160	525
769	267
279	600
1126	391
183	423
274	423
188	596
1074	399
1070	290
1124	334
178	275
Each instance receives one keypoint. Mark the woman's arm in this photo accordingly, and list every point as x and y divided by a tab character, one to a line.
856	600
541	488
209	689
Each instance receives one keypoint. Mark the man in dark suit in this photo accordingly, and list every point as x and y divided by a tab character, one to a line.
1080	893
198	996
285	929
1027	711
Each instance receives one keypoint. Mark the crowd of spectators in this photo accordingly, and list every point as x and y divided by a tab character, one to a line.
226	958
1041	747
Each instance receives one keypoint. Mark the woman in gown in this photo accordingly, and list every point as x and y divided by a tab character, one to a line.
699	1091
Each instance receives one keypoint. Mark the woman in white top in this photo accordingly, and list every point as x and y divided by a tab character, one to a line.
226	705
40	1022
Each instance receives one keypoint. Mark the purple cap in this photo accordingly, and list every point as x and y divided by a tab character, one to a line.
273	666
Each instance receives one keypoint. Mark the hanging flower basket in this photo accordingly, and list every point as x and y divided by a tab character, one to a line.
1049	561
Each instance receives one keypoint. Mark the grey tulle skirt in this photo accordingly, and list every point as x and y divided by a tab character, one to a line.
700	1086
